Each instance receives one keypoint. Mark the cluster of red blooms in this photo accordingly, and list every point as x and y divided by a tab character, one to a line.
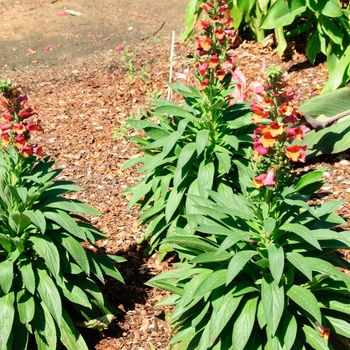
273	147
214	60
14	130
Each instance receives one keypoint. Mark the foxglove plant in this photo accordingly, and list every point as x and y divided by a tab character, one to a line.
48	281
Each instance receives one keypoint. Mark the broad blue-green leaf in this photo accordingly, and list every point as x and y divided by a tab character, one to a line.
276	261
46	248
272	296
303	232
300	263
25	306
44	328
49	295
306	300
280	14
28	277
244	322
237	263
7	317
6	275
70	337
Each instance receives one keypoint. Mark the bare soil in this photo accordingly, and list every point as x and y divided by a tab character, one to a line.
84	89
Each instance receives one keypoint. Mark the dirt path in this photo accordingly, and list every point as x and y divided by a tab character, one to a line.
40	32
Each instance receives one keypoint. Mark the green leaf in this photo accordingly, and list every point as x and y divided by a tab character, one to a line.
75	294
7	317
6	242
272	296
72	206
276	260
25	306
173	202
201	140
206	173
19	221
50	295
237	263
6	275
314	339
46	248
75	249
300	263
28	276
306	300
211	257
222	316
303	232
69	335
224	162
44	328
288	332
37	218
212	281
244	322
184	163
339	326
65	221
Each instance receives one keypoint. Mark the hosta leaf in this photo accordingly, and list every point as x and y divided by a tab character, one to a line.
6	275
314	339
25	306
244	322
49	295
306	300
46	248
300	263
237	263
28	276
69	335
7	317
44	328
65	221
276	260
75	249
303	232
272	296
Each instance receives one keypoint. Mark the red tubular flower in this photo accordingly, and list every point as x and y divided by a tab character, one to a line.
19	128
203	25
214	61
205	83
275	129
324	332
296	153
206	6
267	140
4	128
6	118
26	151
21	100
202	69
5	141
206	44
34	128
219	34
265	179
296	133
26	113
20	141
220	74
38	150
